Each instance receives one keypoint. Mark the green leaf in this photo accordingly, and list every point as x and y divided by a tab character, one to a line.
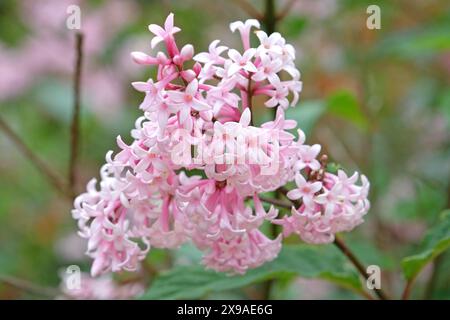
435	242
191	282
416	43
345	105
307	113
333	167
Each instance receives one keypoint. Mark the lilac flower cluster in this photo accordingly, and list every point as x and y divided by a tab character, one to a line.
148	198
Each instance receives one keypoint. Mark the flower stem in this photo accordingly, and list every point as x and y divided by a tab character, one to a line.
270	19
407	290
276	202
269	24
285	11
52	177
30	287
340	244
249	9
75	126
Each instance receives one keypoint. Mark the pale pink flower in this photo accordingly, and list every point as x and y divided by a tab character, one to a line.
222	95
152	93
269	44
188	100
244	29
305	190
278	96
213	56
163	34
268	69
241	62
308	157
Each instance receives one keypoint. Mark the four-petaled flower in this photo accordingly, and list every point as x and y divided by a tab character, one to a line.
305	190
162	34
308	157
187	100
241	62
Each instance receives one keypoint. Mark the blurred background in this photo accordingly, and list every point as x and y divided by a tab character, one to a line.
378	101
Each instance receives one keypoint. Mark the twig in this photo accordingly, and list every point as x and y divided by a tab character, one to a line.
29	286
346	251
364	294
340	244
249	9
407	291
285	11
270	20
75	126
269	24
276	202
53	178
284	192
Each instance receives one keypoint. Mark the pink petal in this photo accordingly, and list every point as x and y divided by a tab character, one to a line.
141	86
294	194
234	55
250	67
199	105
168	24
192	87
299	180
176	96
245	117
155	41
157	30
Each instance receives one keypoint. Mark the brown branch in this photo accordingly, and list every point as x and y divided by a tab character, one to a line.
249	9
340	244
270	20
30	287
53	178
346	251
285	11
407	291
276	202
269	24
75	126
284	192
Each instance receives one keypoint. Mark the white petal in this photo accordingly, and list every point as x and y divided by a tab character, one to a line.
246	117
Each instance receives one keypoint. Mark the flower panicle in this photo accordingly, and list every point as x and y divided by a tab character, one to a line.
203	102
